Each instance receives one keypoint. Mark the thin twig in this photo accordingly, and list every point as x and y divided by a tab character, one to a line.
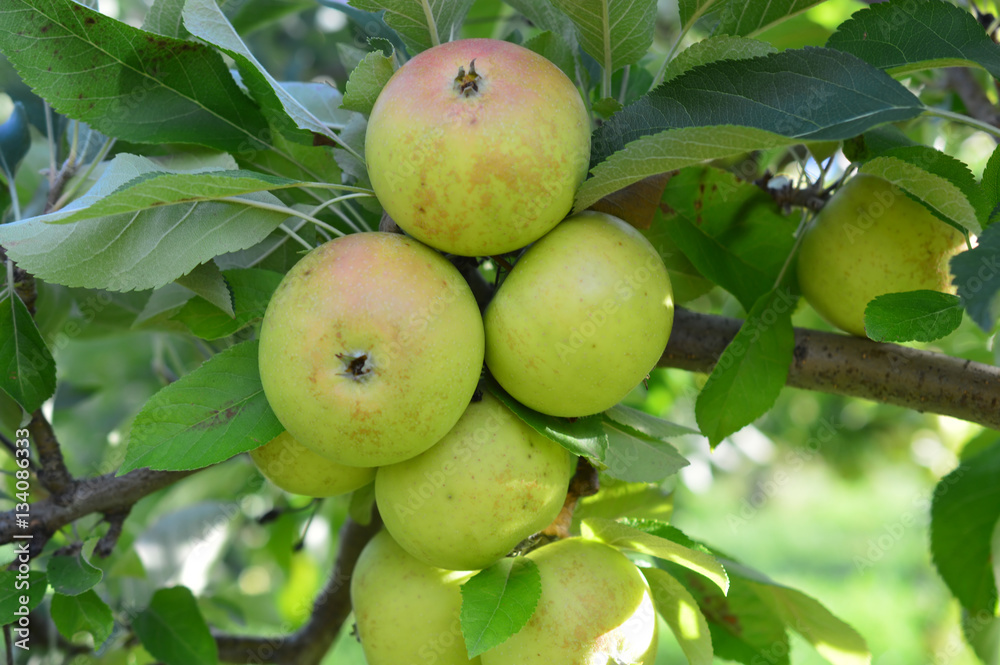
9	445
115	520
8	644
309	644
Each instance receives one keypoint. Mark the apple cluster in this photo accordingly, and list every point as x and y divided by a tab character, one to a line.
373	347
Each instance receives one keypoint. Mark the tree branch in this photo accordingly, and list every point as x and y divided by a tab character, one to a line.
855	367
104	494
53	473
309	644
965	85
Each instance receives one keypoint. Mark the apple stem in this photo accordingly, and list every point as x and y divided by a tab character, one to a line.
467	84
357	366
585	482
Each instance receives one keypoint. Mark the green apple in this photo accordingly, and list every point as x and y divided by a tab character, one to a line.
871	239
581	319
297	469
477	146
407	612
596	608
371	349
491	482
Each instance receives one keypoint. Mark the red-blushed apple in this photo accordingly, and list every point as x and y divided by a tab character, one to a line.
581	319
476	147
407	613
371	349
596	608
868	240
491	482
297	469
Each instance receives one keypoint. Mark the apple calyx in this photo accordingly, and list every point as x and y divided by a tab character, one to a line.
467	84
357	365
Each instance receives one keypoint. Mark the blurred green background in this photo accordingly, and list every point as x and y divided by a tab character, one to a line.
825	494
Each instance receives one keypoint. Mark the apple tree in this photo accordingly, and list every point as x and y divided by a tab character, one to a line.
767	174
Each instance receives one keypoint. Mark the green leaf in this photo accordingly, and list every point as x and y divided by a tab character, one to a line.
741	278
72	575
15	587
730	230
142	249
125	82
421	23
613	33
354	136
163	303
628	537
661	529
619	499
158	188
607	106
217	411
172	629
82	613
208	282
749	18
977	276
27	369
554	48
582	436
991	186
917	34
914	316
362	503
251	289
15	140
164	18
941	183
752	370
982	632
367	81
743	627
964	513
681	612
645	424
691	10
249	16
832	638
670	150
749	624
789	94
544	16
277	250
297	161
638	458
205	20
714	49
322	100
498	601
